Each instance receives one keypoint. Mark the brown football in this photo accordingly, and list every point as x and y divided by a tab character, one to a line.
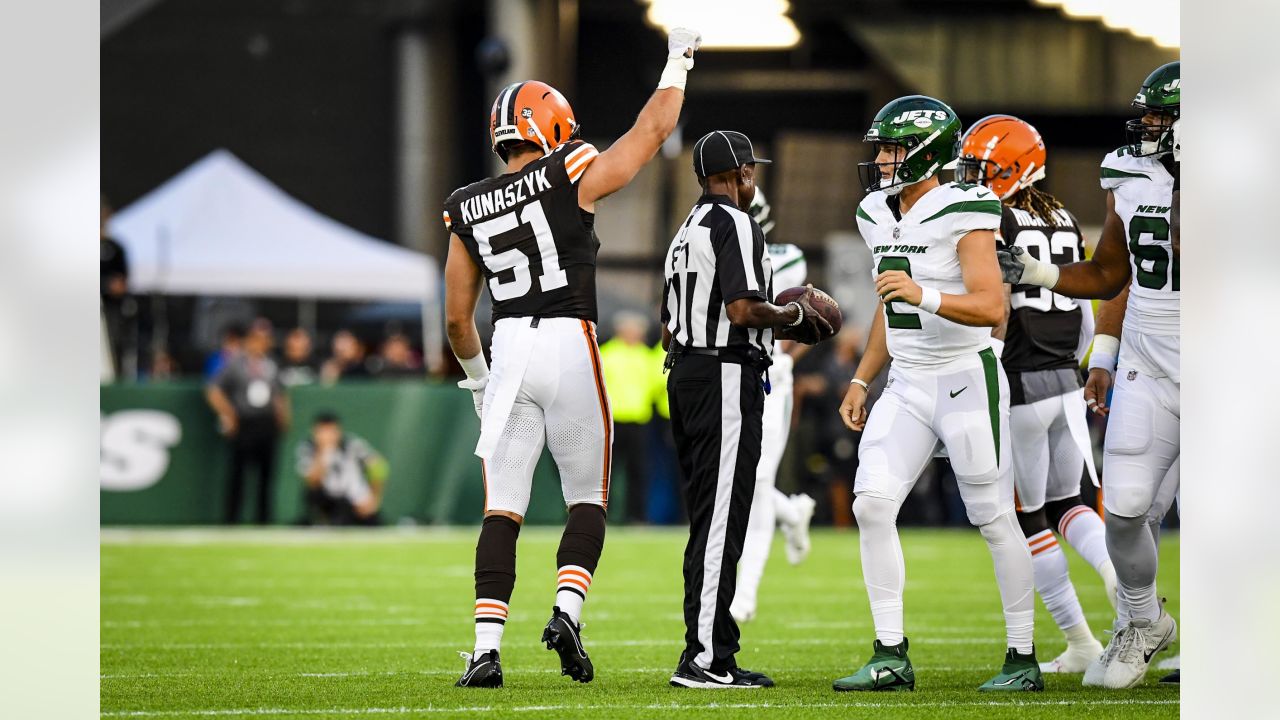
822	302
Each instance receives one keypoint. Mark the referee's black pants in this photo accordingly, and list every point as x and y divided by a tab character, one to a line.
716	414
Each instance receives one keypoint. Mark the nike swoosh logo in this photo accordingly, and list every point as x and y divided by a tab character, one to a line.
1146	656
957	392
726	679
1011	680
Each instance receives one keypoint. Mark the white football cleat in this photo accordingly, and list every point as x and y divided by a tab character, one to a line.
797	535
1098	666
1075	659
1173	663
1138	642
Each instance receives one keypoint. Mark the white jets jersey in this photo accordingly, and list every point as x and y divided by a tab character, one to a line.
789	270
922	243
1143	192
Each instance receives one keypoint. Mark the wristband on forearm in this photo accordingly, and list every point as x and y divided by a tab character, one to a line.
1035	272
675	73
475	368
930	300
799	314
862	383
1106	348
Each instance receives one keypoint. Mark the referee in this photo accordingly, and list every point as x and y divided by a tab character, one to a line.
718	331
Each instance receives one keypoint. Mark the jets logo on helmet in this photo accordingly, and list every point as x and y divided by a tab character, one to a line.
1003	153
925	133
533	112
1159	99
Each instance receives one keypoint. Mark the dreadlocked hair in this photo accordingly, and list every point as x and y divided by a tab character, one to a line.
1037	202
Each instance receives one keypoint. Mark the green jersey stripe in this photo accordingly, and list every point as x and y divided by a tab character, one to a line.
1113	173
991	207
863	214
993	395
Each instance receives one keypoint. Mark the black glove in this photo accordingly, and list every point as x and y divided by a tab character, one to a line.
1011	264
813	328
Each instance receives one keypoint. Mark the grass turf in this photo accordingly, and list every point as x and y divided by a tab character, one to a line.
298	624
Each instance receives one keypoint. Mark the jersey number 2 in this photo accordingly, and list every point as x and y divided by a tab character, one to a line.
514	259
898	320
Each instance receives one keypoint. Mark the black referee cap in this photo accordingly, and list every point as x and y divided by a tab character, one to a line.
721	150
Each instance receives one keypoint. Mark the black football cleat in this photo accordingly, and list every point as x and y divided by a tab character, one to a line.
691	675
563	636
484	671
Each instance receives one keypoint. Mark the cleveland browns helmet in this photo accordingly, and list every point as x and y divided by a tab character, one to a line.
1002	153
532	112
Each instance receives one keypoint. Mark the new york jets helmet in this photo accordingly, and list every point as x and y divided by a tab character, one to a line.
1161	92
927	128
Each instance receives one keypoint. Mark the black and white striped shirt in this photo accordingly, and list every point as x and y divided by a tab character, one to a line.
718	256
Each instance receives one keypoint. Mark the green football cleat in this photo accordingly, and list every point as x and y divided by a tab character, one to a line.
1021	673
888	669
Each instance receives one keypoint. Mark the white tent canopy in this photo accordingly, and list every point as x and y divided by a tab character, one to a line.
220	228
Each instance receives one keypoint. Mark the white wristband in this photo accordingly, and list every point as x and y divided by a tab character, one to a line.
1035	272
675	73
864	385
930	300
799	314
1106	348
475	368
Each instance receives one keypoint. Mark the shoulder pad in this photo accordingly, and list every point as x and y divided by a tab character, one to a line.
1119	166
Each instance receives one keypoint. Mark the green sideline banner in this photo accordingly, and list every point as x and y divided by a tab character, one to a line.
164	463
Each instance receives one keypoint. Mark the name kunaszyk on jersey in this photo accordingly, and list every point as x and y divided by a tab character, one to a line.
507	222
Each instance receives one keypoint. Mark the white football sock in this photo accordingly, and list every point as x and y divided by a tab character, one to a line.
1083	530
491	620
572	583
883	569
756	545
783	508
1015	577
1053	583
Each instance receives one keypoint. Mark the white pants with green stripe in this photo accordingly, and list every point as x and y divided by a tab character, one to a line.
963	406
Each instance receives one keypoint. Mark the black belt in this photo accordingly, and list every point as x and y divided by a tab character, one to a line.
750	357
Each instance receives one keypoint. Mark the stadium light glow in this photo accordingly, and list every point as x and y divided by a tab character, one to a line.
729	24
1156	20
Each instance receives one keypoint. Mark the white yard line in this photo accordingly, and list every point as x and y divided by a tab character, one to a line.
260	712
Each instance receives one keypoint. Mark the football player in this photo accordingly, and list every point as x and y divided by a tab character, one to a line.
934	248
528	235
1142	442
1043	343
771	507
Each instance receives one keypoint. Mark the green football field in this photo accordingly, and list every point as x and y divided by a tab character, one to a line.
299	624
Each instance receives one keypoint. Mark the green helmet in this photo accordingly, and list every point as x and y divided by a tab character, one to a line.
1160	93
927	128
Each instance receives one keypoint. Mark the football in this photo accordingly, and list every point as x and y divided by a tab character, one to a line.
823	303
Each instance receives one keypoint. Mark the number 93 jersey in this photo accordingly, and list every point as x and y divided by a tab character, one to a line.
922	243
1142	188
525	231
1044	327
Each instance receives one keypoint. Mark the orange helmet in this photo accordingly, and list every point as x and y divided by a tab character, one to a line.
532	112
1003	153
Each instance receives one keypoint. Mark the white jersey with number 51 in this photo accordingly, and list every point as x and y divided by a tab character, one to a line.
922	243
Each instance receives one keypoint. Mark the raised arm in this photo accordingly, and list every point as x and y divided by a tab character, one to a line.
615	167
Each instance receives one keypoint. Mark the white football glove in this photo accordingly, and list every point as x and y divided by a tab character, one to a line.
681	41
477	392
